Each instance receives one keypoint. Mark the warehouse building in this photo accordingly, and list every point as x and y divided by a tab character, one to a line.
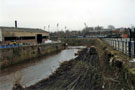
22	35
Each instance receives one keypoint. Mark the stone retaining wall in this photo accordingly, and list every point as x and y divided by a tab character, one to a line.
10	56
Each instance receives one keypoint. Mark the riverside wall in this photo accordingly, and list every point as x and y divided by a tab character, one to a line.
12	56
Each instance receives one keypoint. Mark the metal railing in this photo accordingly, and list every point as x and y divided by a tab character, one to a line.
26	44
122	44
9	46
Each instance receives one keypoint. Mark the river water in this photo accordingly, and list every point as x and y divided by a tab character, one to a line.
30	73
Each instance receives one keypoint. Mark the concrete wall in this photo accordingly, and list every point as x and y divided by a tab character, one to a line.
10	56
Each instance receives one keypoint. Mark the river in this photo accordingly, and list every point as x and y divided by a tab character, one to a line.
32	72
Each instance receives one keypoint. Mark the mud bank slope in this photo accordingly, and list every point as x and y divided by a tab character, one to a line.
79	74
96	68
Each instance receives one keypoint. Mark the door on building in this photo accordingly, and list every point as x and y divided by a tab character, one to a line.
39	38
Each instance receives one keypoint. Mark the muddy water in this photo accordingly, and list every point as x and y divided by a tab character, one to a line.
34	71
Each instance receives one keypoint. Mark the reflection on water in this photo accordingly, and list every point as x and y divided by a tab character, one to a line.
35	71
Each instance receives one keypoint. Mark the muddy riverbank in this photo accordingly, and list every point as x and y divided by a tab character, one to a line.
105	69
32	72
82	73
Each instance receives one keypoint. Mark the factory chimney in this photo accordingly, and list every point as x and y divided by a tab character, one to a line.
15	23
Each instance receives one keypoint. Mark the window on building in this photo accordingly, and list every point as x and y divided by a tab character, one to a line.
19	38
10	38
45	37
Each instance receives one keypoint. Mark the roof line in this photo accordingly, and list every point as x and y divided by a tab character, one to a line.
21	28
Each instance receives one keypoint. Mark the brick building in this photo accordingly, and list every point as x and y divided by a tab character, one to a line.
22	35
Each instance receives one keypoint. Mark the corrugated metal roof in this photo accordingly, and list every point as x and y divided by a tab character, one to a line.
13	29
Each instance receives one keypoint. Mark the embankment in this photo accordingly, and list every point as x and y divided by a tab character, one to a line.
11	56
82	73
96	68
118	73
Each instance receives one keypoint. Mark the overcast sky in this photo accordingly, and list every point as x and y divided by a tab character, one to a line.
70	13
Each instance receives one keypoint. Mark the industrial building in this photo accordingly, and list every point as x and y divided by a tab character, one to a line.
22	35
